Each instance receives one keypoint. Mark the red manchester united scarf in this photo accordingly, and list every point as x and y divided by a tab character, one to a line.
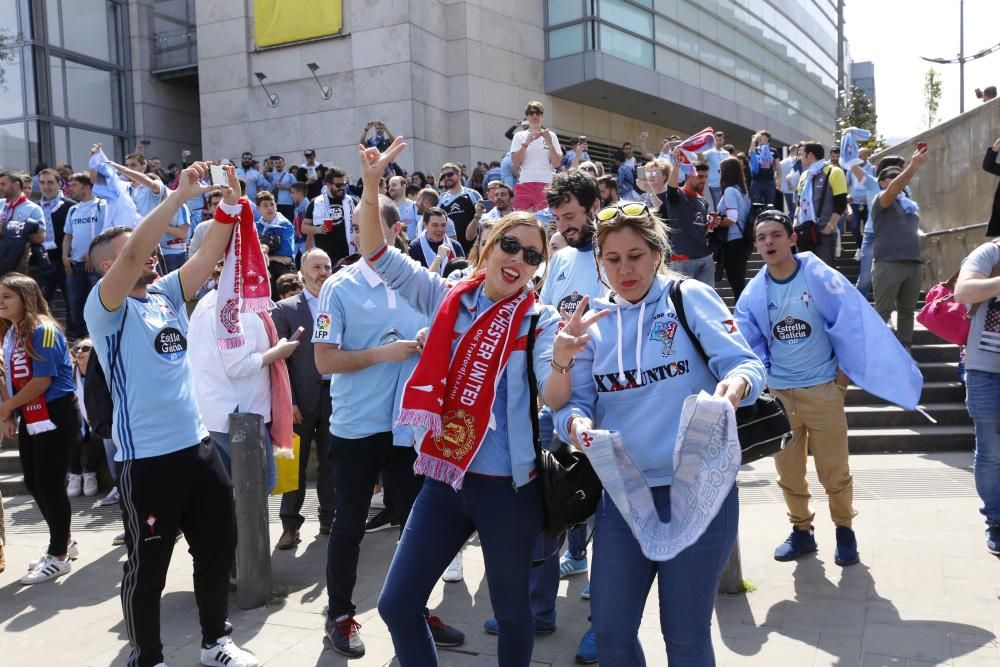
19	373
452	395
243	285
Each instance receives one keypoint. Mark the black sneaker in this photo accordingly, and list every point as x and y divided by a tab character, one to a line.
380	521
444	634
344	637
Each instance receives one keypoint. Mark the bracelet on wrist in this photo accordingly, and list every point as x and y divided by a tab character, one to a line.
563	369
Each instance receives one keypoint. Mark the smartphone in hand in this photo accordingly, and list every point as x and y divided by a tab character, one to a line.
297	335
219	176
921	145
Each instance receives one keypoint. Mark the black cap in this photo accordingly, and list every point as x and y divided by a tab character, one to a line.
310	153
247	155
774	215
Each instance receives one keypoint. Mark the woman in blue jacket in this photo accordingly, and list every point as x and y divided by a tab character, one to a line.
633	376
469	400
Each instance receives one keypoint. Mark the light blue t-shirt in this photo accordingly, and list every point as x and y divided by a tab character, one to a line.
171	245
859	193
871	190
84	221
155	411
408	216
283	197
145	199
357	311
571	275
713	158
734	198
493	457
255	181
801	352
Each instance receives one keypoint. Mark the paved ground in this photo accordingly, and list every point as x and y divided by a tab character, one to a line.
926	593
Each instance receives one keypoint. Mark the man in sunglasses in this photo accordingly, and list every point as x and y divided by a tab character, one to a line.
459	202
326	223
686	213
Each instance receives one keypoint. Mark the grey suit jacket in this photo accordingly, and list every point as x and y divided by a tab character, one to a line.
289	315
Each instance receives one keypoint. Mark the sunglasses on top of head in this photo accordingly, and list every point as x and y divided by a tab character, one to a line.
512	246
631	208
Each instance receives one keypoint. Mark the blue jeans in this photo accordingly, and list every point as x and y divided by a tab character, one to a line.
864	283
983	401
109	454
790	205
442	519
545	577
78	288
621	577
221	442
702	268
716	194
763	192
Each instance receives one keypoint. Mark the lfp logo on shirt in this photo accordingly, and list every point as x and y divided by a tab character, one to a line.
322	326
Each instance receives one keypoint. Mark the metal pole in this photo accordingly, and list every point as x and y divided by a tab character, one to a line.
961	56
732	576
253	546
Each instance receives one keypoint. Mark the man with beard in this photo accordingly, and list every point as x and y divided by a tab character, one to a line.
408	214
327	221
254	179
607	187
503	199
171	476
458	201
686	213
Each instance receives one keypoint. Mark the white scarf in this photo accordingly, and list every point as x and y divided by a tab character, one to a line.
48	206
429	254
807	212
321	207
706	460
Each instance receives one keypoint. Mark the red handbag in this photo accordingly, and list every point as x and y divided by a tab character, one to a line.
943	316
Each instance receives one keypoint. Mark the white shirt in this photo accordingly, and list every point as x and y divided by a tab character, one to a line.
787	183
536	167
227	381
313	303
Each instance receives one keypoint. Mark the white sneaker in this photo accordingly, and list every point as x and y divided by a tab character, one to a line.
118	540
378	500
47	568
454	572
75	485
111	498
90	484
72	553
226	653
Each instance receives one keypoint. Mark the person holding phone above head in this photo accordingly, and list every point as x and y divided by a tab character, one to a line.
633	376
481	476
536	152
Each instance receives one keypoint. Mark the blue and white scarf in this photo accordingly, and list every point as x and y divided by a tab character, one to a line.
430	254
706	460
806	210
849	146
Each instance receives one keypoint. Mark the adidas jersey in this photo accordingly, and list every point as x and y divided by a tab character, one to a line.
358	311
572	275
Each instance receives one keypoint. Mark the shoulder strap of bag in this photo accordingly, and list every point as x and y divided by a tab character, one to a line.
533	386
677	297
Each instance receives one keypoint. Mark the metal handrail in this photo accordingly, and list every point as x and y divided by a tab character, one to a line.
953	230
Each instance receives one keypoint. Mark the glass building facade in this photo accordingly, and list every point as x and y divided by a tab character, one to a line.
776	57
63	83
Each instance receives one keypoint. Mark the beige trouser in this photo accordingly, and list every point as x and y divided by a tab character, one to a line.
819	426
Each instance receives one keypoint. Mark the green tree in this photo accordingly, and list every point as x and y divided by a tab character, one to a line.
932	96
859	112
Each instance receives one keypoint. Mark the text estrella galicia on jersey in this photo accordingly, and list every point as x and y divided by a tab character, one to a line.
170	343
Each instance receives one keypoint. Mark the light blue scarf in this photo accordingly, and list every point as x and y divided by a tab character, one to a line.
849	146
806	210
706	460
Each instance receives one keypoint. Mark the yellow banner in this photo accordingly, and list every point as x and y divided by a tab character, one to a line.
285	21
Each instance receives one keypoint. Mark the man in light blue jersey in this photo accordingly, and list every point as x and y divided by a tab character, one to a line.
366	336
254	179
280	182
171	475
84	221
713	158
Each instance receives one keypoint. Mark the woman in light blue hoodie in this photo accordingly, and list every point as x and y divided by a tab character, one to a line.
633	376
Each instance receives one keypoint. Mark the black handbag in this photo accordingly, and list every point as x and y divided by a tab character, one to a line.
570	487
763	428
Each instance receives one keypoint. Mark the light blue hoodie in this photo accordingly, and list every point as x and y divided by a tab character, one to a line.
640	365
425	291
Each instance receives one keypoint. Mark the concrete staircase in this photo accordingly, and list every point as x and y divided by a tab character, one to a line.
878	427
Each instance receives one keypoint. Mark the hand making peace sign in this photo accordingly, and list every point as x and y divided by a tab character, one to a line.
573	337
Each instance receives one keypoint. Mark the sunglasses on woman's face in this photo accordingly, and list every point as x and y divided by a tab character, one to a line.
83	348
632	208
512	246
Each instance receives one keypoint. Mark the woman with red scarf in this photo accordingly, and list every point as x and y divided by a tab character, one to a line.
40	408
470	404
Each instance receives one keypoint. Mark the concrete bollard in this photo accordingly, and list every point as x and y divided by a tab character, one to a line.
732	576
253	544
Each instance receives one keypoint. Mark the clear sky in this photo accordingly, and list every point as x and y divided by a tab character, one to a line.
895	33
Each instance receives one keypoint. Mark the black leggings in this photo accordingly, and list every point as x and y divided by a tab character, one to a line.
736	266
45	459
